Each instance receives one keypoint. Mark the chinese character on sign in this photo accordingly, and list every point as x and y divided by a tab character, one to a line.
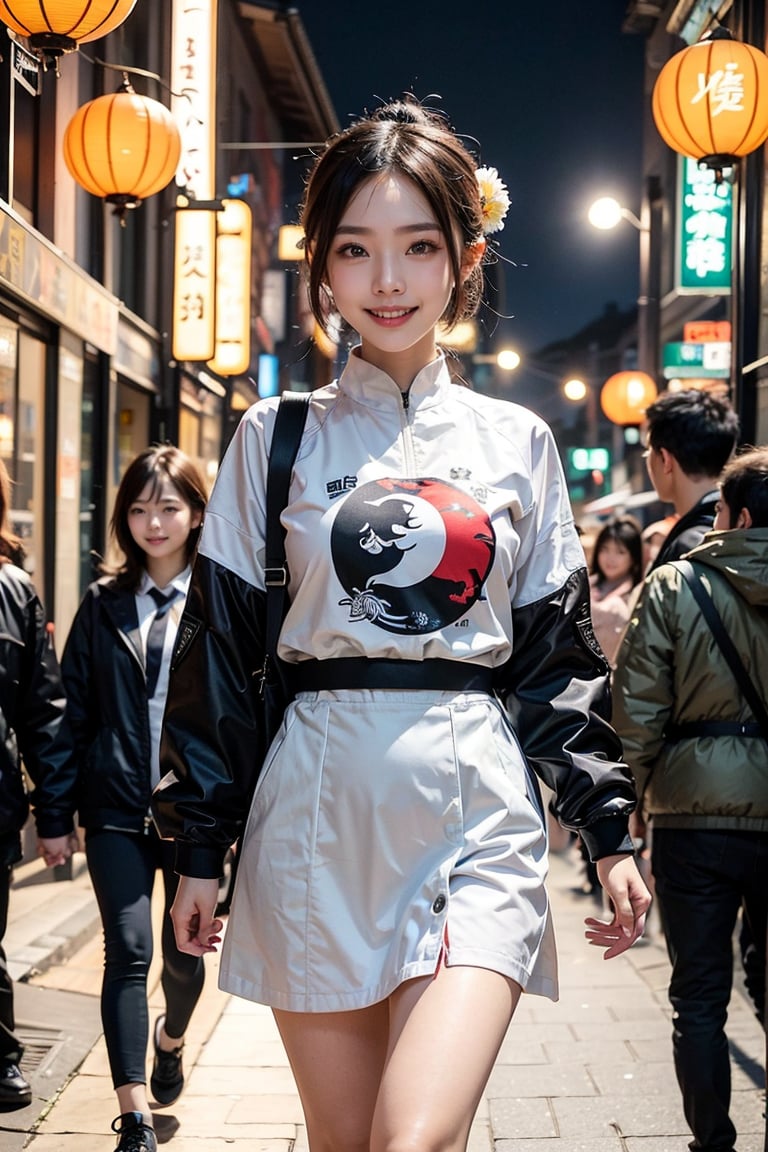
193	262
710	224
192	307
725	87
704	230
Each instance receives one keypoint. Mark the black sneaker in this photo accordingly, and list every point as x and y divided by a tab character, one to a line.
15	1092
133	1134
167	1080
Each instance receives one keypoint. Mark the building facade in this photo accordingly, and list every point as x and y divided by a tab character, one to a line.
87	372
704	255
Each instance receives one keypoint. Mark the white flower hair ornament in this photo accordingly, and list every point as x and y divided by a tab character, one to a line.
494	199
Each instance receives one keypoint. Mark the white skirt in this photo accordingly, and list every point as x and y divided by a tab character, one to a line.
390	831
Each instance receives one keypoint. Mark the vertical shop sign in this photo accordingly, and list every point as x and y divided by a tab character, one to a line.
194	285
232	356
704	231
193	84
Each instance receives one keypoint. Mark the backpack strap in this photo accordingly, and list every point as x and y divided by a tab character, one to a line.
693	578
286	438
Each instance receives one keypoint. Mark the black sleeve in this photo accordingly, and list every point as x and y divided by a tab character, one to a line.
41	736
556	691
213	736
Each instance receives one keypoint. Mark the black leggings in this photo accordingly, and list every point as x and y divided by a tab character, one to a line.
123	867
10	1048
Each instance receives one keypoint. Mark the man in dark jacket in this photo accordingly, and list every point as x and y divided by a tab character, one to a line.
699	756
689	438
31	709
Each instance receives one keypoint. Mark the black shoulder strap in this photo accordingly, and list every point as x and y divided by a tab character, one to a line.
286	438
727	647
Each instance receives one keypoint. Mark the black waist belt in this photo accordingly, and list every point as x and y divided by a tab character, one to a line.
358	672
696	728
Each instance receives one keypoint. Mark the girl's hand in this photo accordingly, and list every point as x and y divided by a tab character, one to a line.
630	900
196	928
57	849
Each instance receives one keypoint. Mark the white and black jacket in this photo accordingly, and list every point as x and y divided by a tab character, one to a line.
434	524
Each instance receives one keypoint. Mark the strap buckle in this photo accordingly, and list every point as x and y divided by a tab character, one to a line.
276	577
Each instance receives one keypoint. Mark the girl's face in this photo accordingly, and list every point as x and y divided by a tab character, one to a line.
614	560
160	521
389	271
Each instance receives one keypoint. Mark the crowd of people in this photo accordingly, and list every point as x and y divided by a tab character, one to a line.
446	647
690	708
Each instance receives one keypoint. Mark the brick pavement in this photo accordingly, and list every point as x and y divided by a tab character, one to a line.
592	1073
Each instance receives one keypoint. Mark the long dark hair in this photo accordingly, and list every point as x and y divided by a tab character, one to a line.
152	466
404	137
11	548
625	530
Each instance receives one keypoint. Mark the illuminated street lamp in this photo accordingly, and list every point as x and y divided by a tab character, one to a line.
575	390
507	359
606	213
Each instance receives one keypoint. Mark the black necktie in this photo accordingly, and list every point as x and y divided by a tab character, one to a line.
156	636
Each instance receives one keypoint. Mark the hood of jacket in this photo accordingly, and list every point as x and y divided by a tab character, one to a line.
741	557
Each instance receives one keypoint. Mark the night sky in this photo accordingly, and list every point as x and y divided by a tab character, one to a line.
554	95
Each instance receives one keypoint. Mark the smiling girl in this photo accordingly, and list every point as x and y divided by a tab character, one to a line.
616	571
390	903
115	672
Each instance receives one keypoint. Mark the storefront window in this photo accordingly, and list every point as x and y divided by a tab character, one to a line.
91	464
69	455
8	353
28	470
200	427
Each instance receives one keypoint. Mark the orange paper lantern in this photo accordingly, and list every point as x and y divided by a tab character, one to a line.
123	147
625	396
54	28
710	101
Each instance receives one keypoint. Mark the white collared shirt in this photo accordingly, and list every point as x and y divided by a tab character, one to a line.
146	610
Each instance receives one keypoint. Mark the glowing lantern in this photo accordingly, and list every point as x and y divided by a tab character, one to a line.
123	147
55	28
625	396
710	101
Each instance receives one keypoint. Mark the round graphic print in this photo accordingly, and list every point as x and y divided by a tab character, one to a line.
411	554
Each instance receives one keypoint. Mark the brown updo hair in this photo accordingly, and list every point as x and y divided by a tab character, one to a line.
402	136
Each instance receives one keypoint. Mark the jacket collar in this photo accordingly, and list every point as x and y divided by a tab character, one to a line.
180	583
120	606
376	389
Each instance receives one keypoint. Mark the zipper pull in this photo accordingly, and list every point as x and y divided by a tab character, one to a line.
406	400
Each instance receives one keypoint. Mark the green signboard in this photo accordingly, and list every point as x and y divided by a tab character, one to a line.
704	231
686	360
588	460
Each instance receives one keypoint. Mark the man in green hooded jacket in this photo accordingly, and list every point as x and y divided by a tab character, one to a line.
699	756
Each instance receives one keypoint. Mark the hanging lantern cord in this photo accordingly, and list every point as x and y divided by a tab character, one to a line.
137	72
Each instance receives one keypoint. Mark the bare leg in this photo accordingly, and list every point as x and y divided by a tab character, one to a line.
133	1098
407	1073
338	1060
445	1035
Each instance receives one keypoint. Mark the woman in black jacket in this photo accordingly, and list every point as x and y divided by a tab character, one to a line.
31	710
115	668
